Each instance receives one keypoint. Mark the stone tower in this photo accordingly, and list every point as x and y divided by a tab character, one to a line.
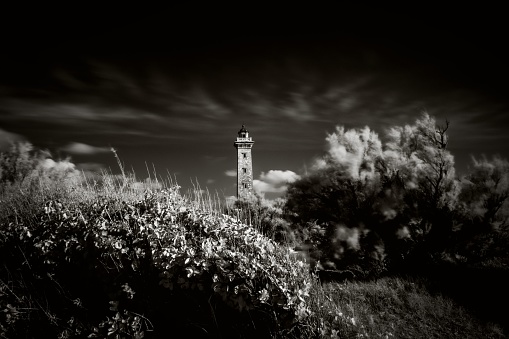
244	164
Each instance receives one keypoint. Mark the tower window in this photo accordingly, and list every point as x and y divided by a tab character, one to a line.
245	185
244	170
245	155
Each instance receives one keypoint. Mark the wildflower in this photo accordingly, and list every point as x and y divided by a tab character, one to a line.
264	295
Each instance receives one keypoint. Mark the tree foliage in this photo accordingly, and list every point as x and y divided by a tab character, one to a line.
485	191
483	212
24	165
19	161
267	216
397	199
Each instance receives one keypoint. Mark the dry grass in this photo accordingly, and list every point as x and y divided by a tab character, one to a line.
393	307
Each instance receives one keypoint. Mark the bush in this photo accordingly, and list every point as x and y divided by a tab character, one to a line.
148	267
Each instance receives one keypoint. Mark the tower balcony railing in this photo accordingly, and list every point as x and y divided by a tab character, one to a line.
245	139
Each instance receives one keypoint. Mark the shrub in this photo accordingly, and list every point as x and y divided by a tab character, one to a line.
113	267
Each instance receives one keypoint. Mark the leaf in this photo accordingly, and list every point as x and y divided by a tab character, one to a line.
217	287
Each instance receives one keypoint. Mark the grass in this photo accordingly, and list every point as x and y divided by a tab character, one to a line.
274	295
396	307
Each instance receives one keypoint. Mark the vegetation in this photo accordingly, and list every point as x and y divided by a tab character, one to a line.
101	264
379	239
371	207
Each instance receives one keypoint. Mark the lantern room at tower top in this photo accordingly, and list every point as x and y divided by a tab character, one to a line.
243	135
243	144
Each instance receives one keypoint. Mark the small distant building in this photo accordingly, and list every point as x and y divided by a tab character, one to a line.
243	144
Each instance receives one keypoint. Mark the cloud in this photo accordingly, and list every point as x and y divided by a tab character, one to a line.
84	149
274	181
91	114
231	173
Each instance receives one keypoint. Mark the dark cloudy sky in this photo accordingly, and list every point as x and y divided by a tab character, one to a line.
171	88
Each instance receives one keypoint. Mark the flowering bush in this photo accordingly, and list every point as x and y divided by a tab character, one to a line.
136	266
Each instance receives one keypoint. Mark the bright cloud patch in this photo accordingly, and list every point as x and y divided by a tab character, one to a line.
79	148
274	181
231	173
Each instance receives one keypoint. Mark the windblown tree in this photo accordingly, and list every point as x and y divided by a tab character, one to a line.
341	183
402	193
19	161
484	192
333	203
416	157
483	212
25	165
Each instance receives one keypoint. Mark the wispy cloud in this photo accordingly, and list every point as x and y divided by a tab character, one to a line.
84	149
231	173
76	113
294	104
114	79
274	181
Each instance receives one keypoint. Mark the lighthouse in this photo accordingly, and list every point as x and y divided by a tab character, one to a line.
243	144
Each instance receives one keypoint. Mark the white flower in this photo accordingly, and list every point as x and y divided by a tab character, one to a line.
264	295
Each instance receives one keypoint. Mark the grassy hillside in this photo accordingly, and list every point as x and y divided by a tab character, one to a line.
124	260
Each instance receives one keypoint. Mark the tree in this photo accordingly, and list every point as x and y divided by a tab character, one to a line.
484	192
17	163
334	202
355	152
29	167
402	194
418	156
342	181
483	212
